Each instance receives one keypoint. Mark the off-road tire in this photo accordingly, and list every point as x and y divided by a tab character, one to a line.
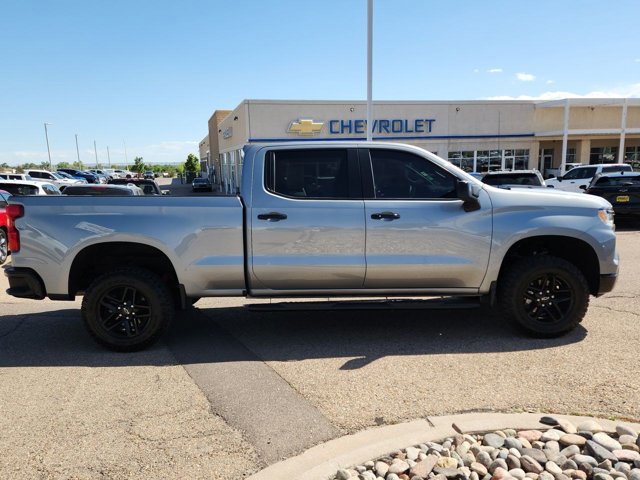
544	295
4	246
120	321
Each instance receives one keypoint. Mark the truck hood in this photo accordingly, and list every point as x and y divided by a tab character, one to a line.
544	197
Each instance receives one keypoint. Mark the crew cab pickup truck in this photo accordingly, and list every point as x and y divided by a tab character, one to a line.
317	220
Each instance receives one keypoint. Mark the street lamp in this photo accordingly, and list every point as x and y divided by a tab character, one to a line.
77	149
46	135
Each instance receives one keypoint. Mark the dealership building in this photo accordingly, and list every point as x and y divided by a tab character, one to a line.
477	136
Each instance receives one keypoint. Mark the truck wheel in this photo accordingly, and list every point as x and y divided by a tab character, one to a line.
4	246
546	296
127	309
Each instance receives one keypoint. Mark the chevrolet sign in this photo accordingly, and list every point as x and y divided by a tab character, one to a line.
305	127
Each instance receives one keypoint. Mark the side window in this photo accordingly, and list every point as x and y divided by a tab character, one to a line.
588	172
50	190
36	174
401	175
313	173
573	174
3	201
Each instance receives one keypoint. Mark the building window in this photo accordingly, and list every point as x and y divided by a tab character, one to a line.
489	160
571	155
516	159
632	156
603	155
463	160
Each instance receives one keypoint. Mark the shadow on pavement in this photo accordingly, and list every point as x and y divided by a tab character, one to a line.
237	334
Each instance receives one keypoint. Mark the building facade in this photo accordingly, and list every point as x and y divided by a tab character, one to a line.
477	136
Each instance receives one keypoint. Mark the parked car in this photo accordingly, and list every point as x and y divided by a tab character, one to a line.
100	173
165	175
15	176
111	173
4	219
577	176
57	179
621	189
89	177
27	187
71	177
149	175
201	184
102	190
324	219
514	178
554	172
123	173
149	187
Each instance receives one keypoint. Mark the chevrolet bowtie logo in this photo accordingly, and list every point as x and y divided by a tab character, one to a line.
305	127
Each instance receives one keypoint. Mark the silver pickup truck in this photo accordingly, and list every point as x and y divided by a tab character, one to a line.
317	220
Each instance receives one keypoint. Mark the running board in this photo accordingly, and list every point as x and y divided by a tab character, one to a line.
448	303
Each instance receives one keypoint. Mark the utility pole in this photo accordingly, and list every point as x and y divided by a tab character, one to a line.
109	156
46	135
369	70
78	150
126	159
96	151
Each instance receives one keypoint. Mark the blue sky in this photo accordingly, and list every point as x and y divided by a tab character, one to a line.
150	73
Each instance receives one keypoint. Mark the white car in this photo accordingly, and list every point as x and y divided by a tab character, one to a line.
15	176
124	173
577	176
27	187
53	177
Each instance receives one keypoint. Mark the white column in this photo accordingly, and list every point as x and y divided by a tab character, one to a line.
623	128
565	137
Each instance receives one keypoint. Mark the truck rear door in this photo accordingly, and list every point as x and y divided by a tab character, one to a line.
306	217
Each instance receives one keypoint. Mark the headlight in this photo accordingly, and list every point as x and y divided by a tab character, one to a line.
606	215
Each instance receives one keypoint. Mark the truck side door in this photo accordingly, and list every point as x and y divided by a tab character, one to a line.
307	229
418	234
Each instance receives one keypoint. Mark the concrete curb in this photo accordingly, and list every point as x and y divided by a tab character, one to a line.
322	461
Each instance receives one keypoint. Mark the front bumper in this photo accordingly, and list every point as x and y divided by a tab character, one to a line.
25	283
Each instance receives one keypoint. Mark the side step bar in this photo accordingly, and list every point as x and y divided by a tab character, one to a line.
446	303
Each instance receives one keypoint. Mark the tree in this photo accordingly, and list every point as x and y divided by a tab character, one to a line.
63	165
192	164
78	165
138	165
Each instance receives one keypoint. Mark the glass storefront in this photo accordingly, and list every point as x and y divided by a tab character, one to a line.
489	160
603	155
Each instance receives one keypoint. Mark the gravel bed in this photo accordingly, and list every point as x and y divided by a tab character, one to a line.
563	452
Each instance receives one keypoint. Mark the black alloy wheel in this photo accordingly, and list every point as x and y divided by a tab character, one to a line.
127	309
546	296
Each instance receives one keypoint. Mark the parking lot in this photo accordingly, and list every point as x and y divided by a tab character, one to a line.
231	389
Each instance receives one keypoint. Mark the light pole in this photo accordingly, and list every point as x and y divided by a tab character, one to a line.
46	135
109	156
369	70
126	159
77	149
96	152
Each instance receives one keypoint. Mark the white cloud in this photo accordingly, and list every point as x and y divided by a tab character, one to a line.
549	82
494	70
637	60
525	77
622	92
475	70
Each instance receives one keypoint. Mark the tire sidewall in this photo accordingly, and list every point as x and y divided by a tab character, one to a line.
4	254
156	296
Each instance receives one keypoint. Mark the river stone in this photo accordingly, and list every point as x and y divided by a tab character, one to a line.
515	452
512	442
599	452
513	462
567	426
412	453
551	435
468	459
539	445
381	468
572	439
463	448
557	458
552	468
448	472
602	476
588	459
479	468
626	455
548	420
367	475
484	458
343	474
570	451
530	435
585	434
393	476
447	462
499	473
631	446
498	463
532	476
606	465
624	438
398	467
493	440
529	464
553	446
625	430
623	468
474	476
620	475
569	465
424	467
635	474
606	441
517	473
590	426
579	474
545	476
538	455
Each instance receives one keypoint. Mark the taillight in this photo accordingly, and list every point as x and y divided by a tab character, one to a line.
13	212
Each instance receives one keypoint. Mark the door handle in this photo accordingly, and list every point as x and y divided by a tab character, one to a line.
272	216
385	216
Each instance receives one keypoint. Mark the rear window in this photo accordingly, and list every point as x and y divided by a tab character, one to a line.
18	189
617	168
618	181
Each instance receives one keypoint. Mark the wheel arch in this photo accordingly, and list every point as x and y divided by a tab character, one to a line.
574	250
94	260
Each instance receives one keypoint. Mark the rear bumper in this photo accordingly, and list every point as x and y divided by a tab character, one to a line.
24	283
607	283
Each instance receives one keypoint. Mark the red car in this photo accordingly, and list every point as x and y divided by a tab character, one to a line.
4	241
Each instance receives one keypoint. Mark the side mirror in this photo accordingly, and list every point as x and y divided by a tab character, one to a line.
582	187
465	193
559	178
